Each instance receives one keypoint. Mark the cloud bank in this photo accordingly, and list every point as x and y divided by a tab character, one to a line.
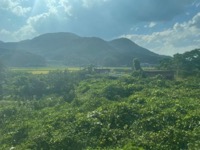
178	39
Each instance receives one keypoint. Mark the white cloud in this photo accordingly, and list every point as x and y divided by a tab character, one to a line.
152	24
91	3
25	32
4	32
37	24
20	11
195	21
14	6
28	30
66	6
51	4
178	39
7	4
56	6
34	20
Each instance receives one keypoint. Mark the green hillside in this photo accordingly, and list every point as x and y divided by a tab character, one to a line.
128	49
72	50
18	58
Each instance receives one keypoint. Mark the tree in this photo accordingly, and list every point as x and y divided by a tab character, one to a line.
166	64
136	65
191	60
184	64
178	63
2	69
187	63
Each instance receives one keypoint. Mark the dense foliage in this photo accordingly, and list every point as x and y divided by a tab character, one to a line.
78	110
186	64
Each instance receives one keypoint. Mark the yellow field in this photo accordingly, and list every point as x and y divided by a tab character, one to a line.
44	70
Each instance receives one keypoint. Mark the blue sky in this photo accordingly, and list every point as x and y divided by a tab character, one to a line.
163	26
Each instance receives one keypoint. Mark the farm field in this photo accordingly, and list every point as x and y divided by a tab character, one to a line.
43	70
46	70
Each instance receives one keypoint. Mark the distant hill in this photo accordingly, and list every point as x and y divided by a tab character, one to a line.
17	58
128	49
72	50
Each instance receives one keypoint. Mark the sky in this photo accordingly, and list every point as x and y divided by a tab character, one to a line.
162	26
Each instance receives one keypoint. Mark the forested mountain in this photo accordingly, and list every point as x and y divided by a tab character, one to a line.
128	49
73	50
19	58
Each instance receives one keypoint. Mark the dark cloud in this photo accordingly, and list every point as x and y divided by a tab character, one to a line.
157	10
114	17
150	10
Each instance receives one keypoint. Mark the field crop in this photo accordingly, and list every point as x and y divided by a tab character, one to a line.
44	70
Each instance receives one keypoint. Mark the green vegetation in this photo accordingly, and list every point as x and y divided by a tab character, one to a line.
74	111
184	64
136	65
77	110
2	76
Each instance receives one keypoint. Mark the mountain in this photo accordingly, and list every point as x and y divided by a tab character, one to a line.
129	49
18	58
72	50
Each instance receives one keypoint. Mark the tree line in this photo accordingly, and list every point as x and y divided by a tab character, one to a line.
185	64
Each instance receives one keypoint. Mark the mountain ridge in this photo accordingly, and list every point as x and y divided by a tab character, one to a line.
65	48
